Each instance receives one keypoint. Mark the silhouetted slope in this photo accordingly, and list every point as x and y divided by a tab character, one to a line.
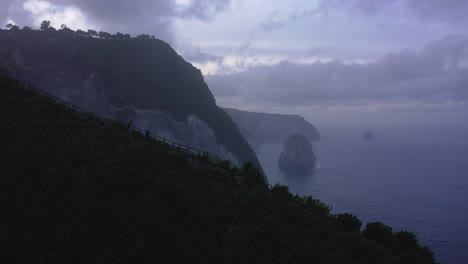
104	75
74	189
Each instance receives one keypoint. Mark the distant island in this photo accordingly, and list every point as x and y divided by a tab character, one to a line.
369	135
263	128
297	155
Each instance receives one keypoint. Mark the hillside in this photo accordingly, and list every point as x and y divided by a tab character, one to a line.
74	189
261	128
139	79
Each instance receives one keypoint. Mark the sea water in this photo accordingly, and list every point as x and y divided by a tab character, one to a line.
416	180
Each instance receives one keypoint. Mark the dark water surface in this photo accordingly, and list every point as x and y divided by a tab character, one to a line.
412	180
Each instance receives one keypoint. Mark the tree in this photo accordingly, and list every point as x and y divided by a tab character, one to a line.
379	232
81	33
405	240
348	222
45	25
104	35
12	27
92	33
143	36
65	29
26	28
118	35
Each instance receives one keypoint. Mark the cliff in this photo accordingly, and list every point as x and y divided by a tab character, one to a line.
143	80
260	128
76	189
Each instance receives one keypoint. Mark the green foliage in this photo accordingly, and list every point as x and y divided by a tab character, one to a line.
12	27
379	232
254	175
405	240
104	35
45	25
92	33
225	164
348	222
143	36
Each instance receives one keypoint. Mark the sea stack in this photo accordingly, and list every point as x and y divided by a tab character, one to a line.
369	135
297	155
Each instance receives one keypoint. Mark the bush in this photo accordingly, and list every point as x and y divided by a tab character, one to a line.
405	240
378	232
348	222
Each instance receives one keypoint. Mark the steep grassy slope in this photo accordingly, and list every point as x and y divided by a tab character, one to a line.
77	190
141	73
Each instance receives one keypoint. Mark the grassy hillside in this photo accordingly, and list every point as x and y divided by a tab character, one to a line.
74	189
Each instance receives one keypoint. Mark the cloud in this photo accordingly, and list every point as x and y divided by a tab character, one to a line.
437	11
134	17
203	9
196	55
437	74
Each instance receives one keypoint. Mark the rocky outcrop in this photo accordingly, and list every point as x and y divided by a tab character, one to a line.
297	155
368	135
139	79
260	128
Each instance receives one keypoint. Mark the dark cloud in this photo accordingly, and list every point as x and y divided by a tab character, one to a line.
195	54
134	17
437	74
204	9
446	11
272	23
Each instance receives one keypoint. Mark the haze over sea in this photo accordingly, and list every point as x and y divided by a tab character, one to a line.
414	179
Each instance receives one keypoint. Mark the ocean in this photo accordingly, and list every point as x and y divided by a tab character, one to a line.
416	180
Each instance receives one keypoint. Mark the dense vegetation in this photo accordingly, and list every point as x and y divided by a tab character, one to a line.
74	189
143	72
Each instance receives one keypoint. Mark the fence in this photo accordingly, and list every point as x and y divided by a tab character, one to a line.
171	144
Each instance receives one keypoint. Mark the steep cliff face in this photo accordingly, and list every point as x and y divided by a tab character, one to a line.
260	128
142	80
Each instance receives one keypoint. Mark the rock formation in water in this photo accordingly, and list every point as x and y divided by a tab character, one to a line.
368	134
137	79
297	155
261	128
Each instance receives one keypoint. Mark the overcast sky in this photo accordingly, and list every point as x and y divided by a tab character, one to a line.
359	61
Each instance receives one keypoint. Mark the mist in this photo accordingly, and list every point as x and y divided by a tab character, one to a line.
331	69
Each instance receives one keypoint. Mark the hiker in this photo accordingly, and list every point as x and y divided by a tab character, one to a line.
130	125
147	134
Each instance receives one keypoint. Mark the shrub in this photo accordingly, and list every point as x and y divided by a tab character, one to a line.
378	232
348	222
405	240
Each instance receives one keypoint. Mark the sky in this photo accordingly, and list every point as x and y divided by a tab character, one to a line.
355	62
